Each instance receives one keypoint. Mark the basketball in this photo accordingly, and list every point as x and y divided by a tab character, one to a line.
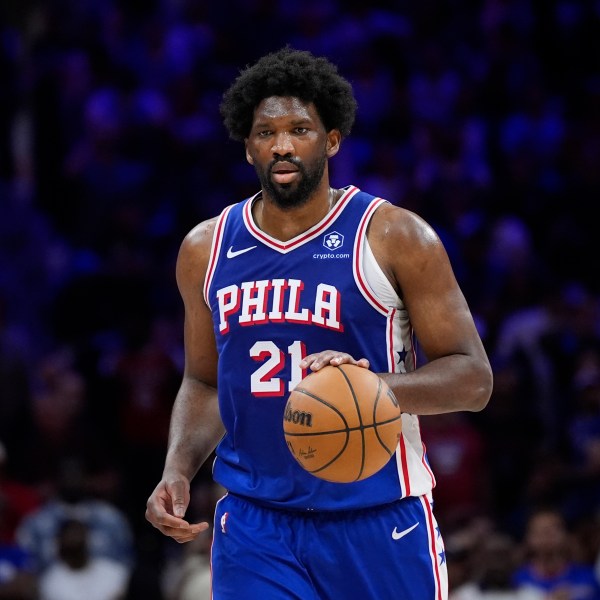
342	424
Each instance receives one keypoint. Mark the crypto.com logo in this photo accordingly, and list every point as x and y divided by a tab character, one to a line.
333	240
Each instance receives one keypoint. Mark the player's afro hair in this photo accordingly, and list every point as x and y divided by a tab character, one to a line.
289	72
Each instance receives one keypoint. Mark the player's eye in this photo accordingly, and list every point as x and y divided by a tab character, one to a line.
300	130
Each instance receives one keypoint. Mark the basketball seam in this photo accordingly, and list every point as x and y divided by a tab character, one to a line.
376	423
360	420
346	430
328	404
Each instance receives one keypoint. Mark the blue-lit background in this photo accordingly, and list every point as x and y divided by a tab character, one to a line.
481	116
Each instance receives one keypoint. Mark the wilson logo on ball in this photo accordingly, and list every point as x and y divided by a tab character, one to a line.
297	417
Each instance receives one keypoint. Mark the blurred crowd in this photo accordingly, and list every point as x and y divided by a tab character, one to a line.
481	116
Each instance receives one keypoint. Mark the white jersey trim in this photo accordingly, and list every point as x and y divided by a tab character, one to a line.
436	550
376	279
358	266
215	250
306	236
415	474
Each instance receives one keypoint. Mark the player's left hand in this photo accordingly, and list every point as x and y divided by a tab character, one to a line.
166	508
318	360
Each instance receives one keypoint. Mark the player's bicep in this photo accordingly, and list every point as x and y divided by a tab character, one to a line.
437	307
438	310
200	348
199	341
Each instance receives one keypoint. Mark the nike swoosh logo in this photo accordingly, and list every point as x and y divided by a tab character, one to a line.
396	535
231	253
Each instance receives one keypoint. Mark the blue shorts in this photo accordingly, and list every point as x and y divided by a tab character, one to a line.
389	552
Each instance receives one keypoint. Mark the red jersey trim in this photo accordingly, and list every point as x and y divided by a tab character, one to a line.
215	249
404	466
308	235
432	549
357	266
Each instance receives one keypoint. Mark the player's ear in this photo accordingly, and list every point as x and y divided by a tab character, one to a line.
248	157
334	139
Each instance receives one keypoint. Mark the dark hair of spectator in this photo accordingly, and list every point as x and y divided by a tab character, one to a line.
295	73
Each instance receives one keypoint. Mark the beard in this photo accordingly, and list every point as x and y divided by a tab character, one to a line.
291	195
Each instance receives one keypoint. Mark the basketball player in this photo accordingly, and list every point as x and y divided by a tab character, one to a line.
297	277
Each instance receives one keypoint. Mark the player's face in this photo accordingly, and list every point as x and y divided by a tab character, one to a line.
289	148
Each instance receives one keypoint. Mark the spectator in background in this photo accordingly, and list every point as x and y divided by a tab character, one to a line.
192	581
58	432
146	378
493	562
15	392
584	435
17	500
456	452
18	579
509	441
549	566
187	572
76	574
461	547
109	532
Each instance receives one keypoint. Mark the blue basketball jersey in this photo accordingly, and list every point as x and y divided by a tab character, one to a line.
275	302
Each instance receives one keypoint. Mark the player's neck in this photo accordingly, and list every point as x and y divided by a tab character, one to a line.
285	224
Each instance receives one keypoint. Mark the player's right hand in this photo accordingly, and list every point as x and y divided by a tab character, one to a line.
166	508
318	360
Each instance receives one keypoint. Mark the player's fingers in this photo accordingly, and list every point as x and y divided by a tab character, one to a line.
178	529
183	539
179	535
159	513
326	357
163	520
347	359
183	536
179	497
319	359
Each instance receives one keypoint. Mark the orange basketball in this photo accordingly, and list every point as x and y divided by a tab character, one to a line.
342	423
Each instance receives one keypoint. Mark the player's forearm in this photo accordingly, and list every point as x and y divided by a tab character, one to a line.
447	384
195	428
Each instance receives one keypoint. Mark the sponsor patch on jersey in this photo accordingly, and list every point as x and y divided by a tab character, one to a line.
333	240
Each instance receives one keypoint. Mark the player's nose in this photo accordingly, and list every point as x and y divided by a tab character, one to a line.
282	144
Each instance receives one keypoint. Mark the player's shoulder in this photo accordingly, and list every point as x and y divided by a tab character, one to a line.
401	227
200	235
194	251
